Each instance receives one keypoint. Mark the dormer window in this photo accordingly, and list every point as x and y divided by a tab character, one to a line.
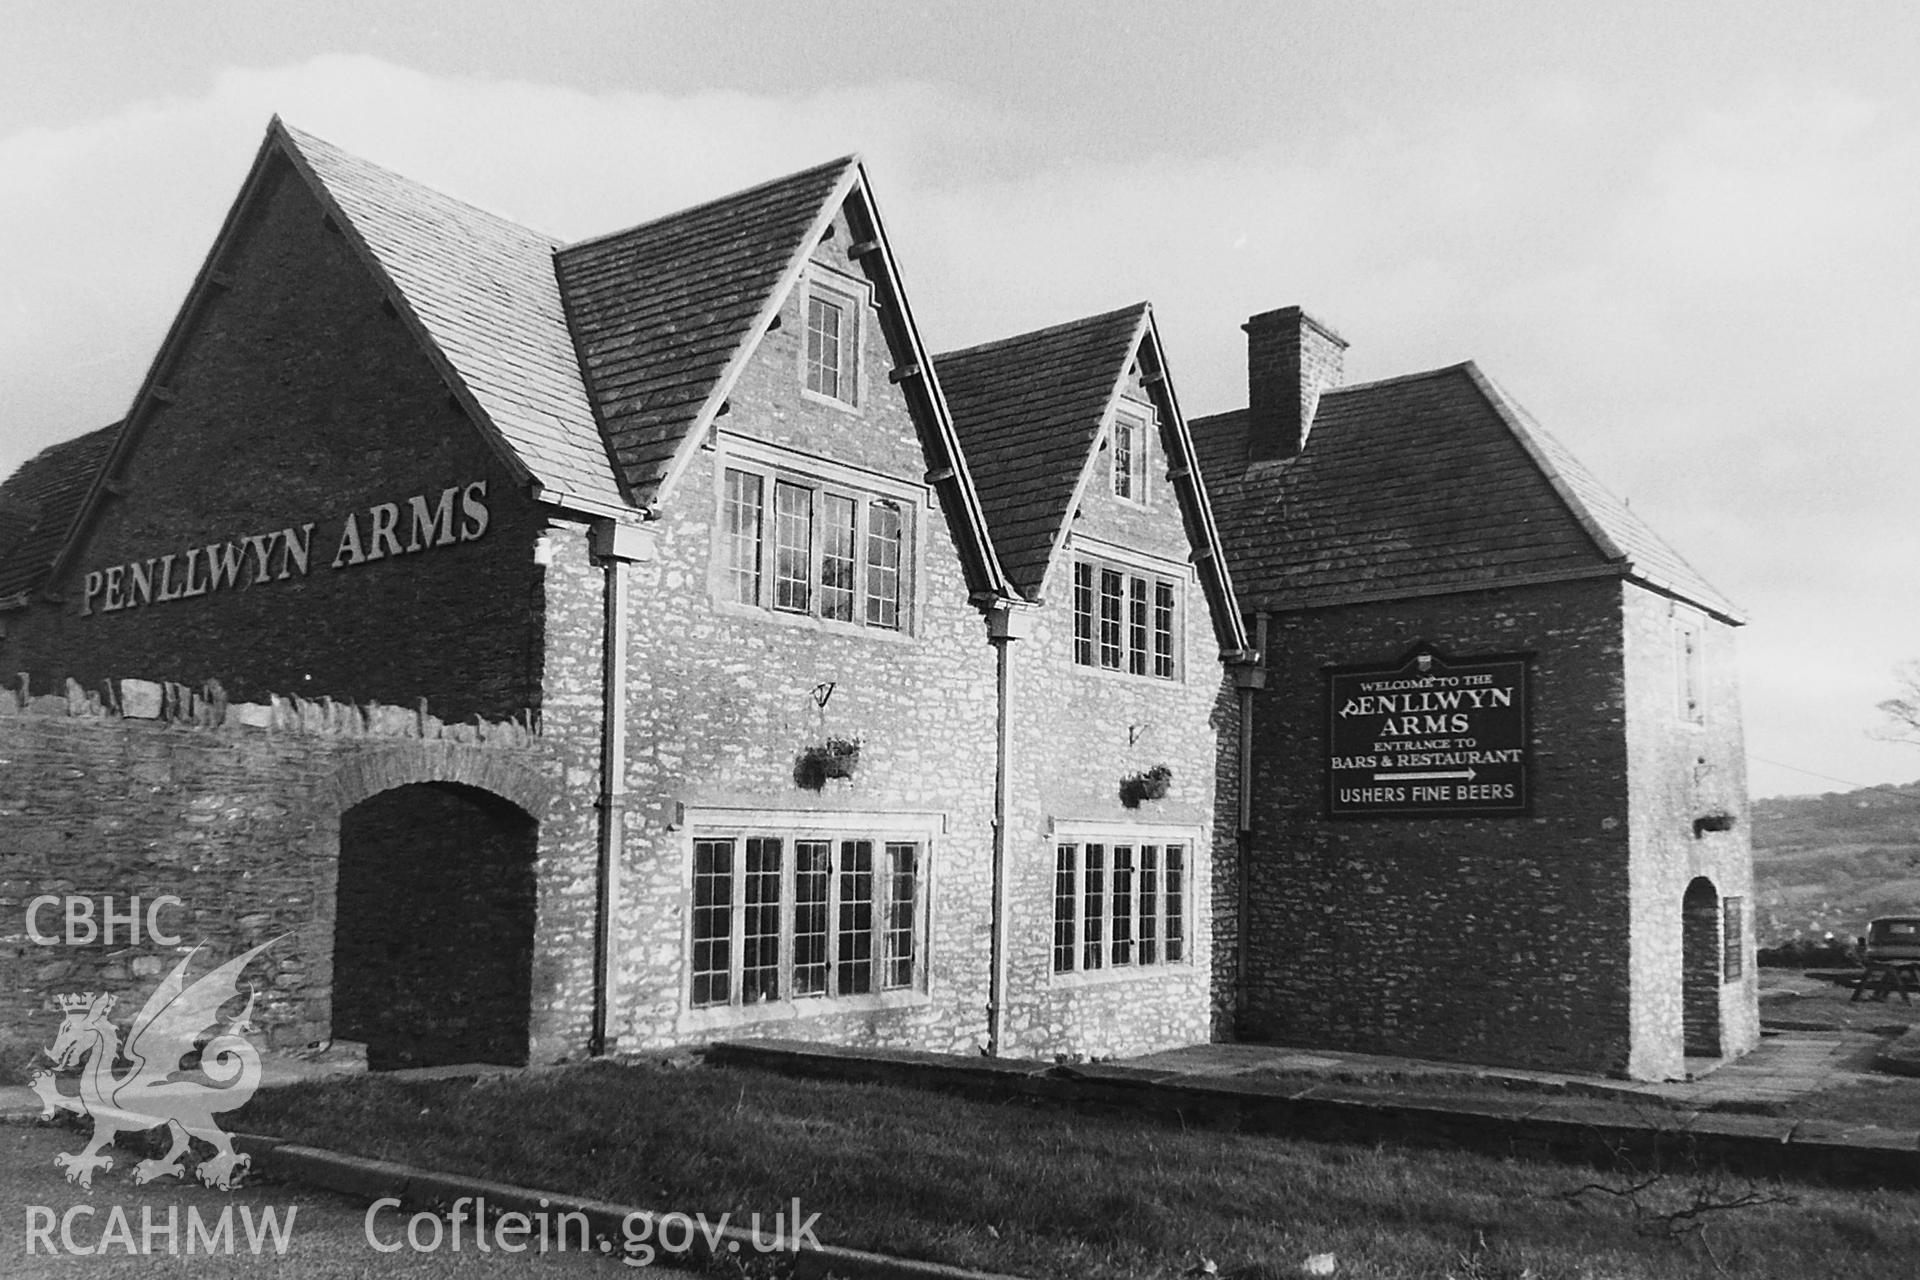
830	357
1129	454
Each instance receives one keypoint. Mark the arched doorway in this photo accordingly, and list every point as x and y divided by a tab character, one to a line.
433	926
1700	968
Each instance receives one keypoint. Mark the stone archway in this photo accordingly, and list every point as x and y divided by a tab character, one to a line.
1700	969
434	904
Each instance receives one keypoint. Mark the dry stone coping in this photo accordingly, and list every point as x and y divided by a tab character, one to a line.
1568	1124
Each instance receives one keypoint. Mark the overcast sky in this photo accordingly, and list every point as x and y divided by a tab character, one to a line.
1683	235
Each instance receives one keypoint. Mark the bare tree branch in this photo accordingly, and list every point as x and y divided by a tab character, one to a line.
1903	710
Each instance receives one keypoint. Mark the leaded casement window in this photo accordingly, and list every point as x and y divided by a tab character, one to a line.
801	545
1129	458
804	915
1119	904
1733	938
830	350
1125	620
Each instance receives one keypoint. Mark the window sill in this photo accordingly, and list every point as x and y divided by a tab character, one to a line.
805	1010
1123	974
832	402
1108	673
810	622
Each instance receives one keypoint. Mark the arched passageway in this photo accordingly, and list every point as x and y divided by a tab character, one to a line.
433	926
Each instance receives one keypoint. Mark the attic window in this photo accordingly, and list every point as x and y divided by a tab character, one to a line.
1129	458
831	354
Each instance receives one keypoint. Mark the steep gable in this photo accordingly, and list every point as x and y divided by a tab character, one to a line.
1031	410
664	311
592	369
1422	484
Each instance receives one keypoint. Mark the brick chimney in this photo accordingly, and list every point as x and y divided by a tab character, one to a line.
1291	359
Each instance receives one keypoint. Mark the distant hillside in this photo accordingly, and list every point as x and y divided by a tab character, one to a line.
1832	862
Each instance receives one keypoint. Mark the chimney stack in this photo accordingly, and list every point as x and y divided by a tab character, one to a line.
1291	359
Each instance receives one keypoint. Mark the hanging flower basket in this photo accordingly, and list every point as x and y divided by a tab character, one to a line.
1151	785
834	758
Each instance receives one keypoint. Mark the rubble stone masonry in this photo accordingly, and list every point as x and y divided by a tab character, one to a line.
1499	940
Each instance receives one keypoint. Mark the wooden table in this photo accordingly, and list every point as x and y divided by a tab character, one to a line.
1884	975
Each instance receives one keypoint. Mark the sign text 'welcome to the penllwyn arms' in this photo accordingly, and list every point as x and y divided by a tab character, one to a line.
1428	737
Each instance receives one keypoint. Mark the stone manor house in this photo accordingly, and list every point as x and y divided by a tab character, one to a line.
562	648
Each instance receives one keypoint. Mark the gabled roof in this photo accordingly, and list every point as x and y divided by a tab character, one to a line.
1420	485
663	312
593	369
38	503
1030	409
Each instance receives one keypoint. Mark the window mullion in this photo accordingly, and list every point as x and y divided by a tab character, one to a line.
737	926
816	540
789	869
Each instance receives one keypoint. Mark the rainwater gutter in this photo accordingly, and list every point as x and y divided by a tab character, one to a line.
617	546
1007	621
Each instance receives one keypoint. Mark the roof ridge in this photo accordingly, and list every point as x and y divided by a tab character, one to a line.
303	140
849	160
1457	367
1065	326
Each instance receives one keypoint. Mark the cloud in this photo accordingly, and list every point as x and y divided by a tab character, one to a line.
1715	306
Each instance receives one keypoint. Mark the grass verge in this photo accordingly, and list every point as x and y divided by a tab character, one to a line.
1043	1192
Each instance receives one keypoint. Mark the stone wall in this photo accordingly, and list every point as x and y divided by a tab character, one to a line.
234	810
723	699
1690	820
1499	940
1078	733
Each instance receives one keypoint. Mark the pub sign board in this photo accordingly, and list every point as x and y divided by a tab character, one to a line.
1428	737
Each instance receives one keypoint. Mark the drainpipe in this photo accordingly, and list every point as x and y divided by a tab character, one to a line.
1007	621
1248	676
616	546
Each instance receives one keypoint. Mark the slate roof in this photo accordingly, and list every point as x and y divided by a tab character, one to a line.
38	503
1431	482
1028	409
484	290
655	354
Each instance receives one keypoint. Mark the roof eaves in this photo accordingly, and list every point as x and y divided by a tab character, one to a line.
993	583
1526	431
144	400
1193	487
